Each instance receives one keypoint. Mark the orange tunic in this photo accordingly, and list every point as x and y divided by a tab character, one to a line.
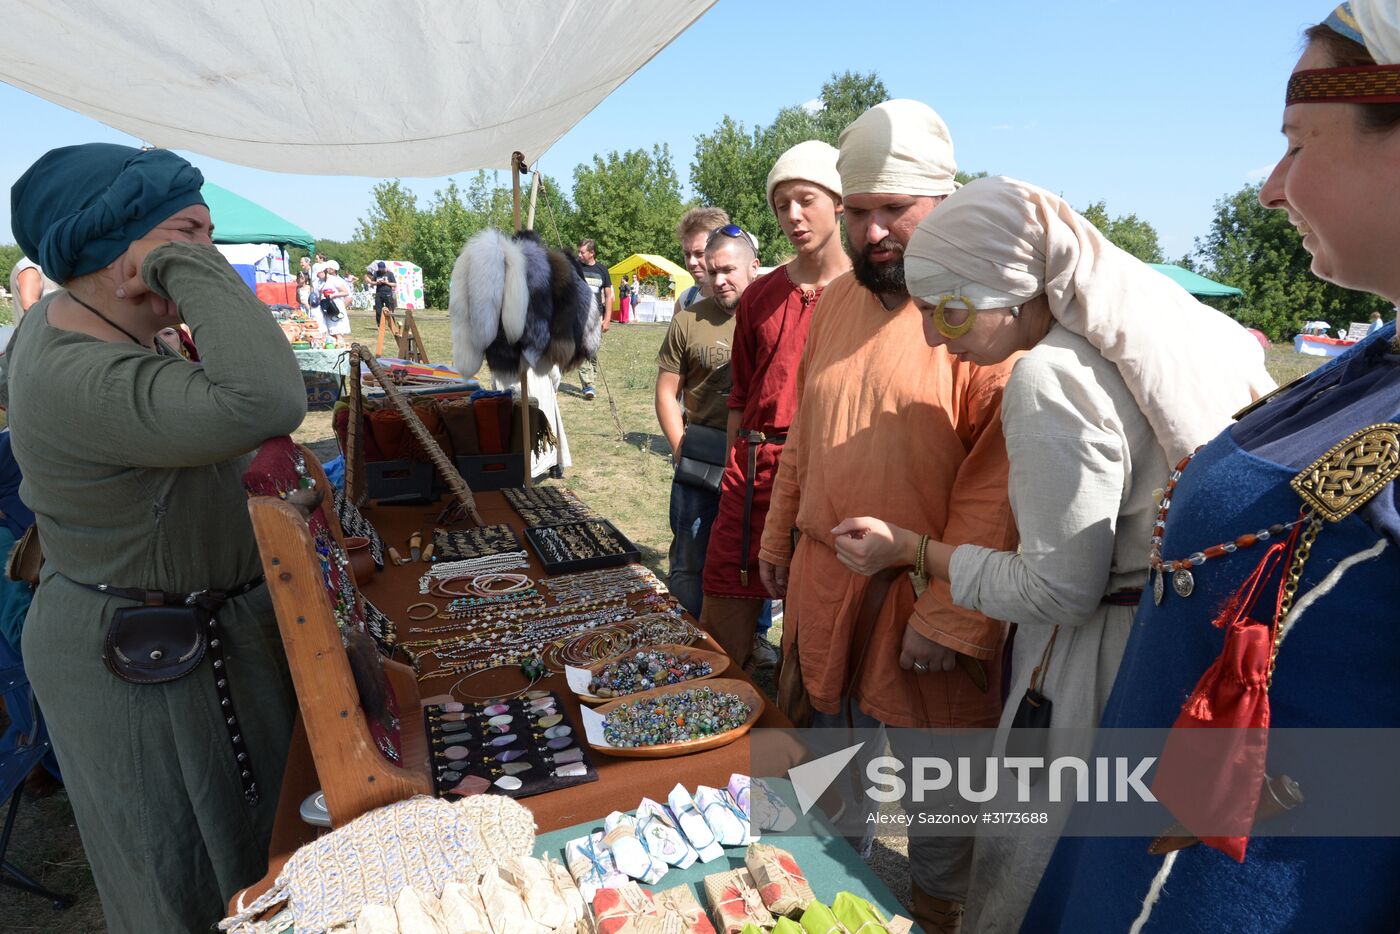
888	427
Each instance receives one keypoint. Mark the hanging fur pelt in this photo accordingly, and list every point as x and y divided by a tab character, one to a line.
535	341
565	284
488	295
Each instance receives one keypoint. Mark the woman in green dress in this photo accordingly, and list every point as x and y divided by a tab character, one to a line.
132	459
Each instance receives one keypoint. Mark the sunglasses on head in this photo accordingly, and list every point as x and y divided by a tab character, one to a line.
734	231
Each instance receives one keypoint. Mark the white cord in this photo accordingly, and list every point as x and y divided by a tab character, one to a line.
1154	892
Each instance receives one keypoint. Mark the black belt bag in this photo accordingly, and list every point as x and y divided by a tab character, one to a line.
703	452
165	638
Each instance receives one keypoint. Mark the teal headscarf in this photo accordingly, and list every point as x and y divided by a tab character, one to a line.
79	207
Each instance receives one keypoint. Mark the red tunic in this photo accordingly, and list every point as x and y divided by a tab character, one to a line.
770	332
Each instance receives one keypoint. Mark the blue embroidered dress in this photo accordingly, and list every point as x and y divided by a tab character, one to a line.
1338	667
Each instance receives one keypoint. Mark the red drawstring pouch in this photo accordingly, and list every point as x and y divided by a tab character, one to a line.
1212	768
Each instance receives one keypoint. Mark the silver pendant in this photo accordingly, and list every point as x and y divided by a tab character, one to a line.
1158	587
1183	583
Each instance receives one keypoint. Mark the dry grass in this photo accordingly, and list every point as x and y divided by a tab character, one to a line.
628	477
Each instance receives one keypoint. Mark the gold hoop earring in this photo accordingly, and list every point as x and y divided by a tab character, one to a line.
940	323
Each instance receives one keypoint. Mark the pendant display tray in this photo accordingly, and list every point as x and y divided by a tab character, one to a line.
628	554
538	779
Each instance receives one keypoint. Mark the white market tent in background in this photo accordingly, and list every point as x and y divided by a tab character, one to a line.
243	80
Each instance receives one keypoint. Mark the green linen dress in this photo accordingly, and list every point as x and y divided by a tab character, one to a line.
132	464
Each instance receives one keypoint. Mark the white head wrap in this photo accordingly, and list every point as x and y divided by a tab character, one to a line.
898	147
1189	367
1379	21
810	161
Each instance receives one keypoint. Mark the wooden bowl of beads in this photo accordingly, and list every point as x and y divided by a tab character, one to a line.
746	692
718	662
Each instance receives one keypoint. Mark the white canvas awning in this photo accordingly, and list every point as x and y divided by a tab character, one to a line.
338	87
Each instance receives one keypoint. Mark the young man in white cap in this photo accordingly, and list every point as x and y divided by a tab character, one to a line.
693	364
887	426
804	191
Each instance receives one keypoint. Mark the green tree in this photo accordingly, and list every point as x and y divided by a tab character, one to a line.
629	203
732	163
1127	231
388	230
1258	251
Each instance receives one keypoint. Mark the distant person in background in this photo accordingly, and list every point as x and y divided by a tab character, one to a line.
334	295
1376	322
304	288
386	289
598	279
693	230
624	301
28	284
693	365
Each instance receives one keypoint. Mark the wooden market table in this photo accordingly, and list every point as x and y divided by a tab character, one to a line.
622	782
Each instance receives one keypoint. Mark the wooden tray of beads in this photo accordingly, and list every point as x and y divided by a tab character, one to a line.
719	661
746	692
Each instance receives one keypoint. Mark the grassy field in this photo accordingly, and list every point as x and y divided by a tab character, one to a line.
626	475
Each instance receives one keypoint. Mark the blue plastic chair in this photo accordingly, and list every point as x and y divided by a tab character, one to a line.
15	766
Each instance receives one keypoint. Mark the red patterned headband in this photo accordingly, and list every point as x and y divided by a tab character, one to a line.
1361	84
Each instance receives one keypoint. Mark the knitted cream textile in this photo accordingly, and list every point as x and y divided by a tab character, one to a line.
422	842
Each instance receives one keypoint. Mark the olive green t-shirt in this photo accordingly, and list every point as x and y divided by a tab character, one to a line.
697	348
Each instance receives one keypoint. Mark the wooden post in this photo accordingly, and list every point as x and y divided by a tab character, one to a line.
527	446
355	488
534	195
445	468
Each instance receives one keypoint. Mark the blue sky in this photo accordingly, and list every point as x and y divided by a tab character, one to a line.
1158	108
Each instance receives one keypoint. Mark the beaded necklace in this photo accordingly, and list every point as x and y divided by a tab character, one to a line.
1183	581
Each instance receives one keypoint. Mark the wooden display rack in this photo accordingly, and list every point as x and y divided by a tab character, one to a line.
355	777
406	336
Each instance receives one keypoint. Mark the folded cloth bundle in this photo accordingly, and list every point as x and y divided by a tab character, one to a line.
677	913
630	851
735	902
693	824
535	883
819	919
419	914
579	918
505	905
780	881
658	828
769	812
730	824
784	926
621	910
739	791
459	420
861	917
462	909
592	866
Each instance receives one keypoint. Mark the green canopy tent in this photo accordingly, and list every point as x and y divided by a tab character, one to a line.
1195	284
238	220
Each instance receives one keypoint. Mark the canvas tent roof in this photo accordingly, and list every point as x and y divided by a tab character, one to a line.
238	220
242	83
647	265
1195	283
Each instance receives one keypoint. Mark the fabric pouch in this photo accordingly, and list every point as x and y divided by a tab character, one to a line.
1030	727
735	901
780	882
703	451
505	905
377	919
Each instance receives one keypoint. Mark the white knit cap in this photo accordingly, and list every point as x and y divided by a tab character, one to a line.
811	161
898	147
